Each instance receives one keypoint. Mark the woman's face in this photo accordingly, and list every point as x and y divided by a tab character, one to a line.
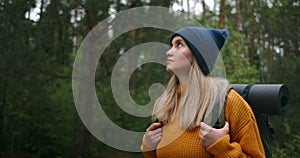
179	55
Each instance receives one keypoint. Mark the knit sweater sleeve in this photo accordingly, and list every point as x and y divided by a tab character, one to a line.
243	139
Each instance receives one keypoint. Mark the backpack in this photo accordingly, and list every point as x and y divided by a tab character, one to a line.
265	129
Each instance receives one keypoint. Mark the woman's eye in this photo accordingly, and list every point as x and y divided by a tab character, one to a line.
179	45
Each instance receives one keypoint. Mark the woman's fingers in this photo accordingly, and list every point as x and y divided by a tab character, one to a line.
209	135
153	134
154	126
226	126
156	135
204	129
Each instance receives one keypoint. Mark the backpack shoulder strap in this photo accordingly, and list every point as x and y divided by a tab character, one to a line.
221	120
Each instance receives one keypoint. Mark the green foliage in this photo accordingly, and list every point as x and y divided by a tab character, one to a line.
287	148
238	68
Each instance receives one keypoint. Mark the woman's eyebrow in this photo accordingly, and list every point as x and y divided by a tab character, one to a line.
177	40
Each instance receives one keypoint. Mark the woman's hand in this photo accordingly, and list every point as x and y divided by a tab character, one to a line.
209	135
153	135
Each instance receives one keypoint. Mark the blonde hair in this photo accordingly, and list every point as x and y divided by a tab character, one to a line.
203	94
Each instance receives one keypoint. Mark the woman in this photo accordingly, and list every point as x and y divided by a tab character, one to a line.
186	111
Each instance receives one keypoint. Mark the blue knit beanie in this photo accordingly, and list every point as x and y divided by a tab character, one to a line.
205	44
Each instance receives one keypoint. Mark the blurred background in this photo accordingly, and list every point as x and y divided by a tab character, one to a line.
40	39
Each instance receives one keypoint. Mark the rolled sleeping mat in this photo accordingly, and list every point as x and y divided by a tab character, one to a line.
271	99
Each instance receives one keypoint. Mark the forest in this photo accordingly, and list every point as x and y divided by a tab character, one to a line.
40	41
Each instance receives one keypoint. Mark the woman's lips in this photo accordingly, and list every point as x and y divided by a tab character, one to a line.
169	60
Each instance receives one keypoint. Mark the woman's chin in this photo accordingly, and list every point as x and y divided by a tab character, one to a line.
169	70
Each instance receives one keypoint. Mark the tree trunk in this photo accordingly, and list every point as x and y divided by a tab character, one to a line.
188	7
3	105
91	13
82	139
271	54
204	10
253	34
222	15
261	56
238	24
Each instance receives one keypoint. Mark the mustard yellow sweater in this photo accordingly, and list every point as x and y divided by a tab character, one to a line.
243	139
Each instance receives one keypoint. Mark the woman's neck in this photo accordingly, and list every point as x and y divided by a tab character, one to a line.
183	80
183	77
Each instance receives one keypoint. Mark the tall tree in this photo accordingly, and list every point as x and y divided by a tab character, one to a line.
222	15
253	33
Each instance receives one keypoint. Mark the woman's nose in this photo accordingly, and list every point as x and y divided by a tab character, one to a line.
169	52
